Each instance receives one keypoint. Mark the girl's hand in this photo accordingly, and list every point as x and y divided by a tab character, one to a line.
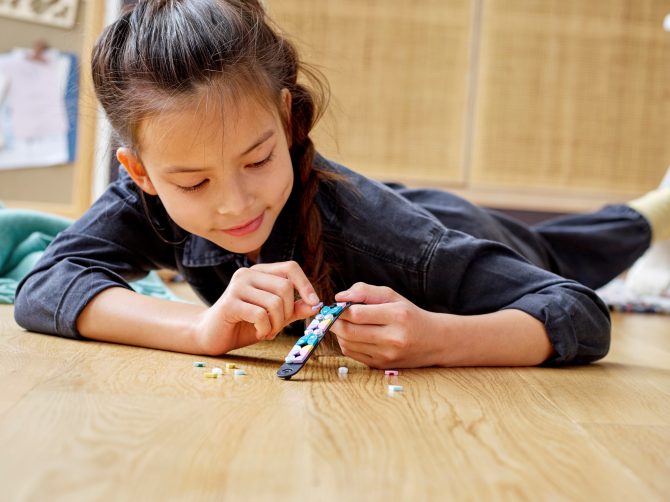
387	331
257	304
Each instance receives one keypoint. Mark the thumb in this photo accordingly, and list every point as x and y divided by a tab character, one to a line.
301	310
367	293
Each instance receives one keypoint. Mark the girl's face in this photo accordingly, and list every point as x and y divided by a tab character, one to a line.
222	172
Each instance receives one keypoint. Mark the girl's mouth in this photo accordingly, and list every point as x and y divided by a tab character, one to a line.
245	229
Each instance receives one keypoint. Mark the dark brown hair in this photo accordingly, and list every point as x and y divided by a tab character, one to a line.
161	53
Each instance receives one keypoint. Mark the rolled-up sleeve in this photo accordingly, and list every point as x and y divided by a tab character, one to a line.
471	276
113	243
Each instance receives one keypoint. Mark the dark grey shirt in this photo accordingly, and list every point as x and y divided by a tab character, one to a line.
377	234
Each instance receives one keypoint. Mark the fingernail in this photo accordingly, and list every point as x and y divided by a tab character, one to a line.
317	306
313	298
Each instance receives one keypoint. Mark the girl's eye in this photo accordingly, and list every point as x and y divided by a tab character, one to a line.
194	187
262	162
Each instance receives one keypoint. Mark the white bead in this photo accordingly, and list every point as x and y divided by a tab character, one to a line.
240	372
343	370
218	371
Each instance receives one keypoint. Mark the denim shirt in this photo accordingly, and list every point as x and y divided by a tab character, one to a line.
374	233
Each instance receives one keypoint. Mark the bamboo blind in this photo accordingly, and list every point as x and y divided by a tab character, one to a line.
542	104
573	95
398	74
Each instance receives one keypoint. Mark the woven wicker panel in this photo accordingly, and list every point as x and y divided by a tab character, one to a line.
397	71
573	94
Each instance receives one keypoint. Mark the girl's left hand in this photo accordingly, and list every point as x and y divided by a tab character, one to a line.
387	330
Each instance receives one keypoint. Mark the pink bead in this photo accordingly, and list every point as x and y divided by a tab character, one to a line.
391	372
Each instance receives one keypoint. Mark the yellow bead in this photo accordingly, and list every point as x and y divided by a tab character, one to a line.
230	366
211	375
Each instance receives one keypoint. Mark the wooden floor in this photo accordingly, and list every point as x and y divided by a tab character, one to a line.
94	421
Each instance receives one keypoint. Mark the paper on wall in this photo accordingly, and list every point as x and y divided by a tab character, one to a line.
33	117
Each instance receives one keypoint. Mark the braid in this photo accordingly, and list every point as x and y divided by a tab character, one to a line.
303	152
307	106
316	266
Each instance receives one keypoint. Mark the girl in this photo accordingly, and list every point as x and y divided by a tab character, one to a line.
222	183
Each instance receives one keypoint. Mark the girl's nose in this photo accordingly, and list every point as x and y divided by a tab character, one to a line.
234	199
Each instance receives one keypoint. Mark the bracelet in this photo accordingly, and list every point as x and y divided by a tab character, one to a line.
315	332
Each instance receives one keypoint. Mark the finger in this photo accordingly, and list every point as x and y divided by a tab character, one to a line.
361	356
279	286
272	305
359	333
367	293
381	314
301	310
372	355
253	314
292	271
293	310
359	347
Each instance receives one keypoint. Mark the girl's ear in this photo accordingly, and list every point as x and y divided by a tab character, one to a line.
135	169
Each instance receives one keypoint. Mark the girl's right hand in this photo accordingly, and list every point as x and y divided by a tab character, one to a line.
257	304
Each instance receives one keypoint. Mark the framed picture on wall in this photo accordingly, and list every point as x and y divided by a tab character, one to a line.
62	187
60	13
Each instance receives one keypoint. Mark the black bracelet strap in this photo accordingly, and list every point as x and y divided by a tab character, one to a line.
306	344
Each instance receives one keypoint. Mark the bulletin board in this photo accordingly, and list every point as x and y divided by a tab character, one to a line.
61	189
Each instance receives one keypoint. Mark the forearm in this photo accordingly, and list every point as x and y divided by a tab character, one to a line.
123	316
504	338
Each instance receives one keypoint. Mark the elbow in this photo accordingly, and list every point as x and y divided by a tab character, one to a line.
22	307
30	312
585	337
597	332
593	345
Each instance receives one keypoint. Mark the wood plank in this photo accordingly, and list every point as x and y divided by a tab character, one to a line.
630	386
89	420
643	450
155	427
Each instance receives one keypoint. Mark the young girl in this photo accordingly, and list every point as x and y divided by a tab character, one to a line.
222	183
